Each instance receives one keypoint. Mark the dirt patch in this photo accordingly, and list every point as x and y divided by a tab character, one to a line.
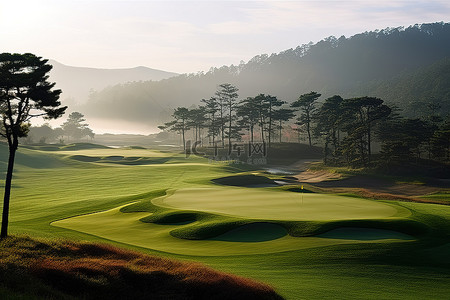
366	186
378	185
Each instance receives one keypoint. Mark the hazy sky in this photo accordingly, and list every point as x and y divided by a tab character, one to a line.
189	36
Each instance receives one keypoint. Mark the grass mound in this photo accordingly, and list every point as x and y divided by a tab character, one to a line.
82	146
28	157
171	218
245	180
122	160
43	147
85	158
40	269
364	234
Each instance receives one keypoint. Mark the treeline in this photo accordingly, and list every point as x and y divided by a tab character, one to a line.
346	128
73	129
223	118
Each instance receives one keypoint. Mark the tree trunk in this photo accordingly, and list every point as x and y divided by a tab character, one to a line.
222	127
229	127
309	134
262	128
325	151
280	131
262	134
362	149
369	150
213	124
270	122
6	200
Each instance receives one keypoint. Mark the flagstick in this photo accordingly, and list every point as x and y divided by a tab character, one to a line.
302	193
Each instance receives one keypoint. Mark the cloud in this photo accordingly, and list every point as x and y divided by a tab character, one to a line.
187	36
278	16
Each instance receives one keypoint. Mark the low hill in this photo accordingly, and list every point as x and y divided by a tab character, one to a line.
77	82
39	269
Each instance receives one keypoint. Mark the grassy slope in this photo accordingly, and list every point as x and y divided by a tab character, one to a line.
66	270
49	186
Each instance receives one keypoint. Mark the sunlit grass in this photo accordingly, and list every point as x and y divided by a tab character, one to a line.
442	196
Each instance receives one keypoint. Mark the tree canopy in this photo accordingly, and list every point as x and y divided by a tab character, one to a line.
75	127
25	93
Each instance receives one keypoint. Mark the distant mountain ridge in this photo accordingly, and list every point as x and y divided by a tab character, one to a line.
370	63
76	82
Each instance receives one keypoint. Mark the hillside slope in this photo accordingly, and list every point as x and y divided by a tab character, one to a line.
39	269
77	82
412	91
351	66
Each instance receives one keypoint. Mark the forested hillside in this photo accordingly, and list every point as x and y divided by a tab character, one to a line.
412	91
404	66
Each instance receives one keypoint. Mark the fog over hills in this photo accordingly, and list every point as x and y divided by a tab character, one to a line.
77	82
378	63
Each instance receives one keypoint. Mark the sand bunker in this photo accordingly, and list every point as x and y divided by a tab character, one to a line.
254	232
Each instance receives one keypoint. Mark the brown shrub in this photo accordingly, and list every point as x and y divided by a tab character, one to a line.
99	271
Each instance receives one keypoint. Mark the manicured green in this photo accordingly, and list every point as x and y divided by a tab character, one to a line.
324	246
264	203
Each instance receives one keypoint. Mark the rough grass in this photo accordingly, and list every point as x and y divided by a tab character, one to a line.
66	269
439	196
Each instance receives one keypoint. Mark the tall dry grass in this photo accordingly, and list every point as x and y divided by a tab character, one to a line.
67	269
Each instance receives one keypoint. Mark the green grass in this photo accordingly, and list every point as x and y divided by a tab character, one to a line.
442	196
269	204
167	204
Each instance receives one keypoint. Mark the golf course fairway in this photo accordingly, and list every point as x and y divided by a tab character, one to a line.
256	204
127	228
310	246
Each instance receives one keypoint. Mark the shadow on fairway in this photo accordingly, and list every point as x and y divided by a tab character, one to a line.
247	180
364	234
254	232
122	160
